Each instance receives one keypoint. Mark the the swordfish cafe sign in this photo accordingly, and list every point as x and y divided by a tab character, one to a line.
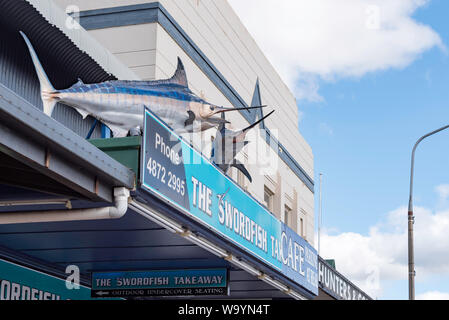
177	173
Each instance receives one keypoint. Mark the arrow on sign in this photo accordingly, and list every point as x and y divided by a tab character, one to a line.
102	293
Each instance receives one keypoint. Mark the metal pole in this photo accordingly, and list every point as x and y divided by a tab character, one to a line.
320	214
411	220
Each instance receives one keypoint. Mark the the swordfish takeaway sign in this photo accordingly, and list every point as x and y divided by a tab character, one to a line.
176	172
160	283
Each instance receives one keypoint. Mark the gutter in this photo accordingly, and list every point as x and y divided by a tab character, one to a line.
121	196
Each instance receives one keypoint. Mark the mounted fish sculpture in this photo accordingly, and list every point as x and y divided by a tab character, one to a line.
120	104
227	144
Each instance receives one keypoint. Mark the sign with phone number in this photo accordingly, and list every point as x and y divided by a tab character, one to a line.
174	171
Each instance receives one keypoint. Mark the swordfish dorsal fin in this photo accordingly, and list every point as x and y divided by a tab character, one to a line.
180	76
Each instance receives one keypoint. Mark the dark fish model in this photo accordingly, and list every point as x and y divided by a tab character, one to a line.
227	144
120	104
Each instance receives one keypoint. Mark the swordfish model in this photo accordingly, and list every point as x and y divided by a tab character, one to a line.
120	104
227	144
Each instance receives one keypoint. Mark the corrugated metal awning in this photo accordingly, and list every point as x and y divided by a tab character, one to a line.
40	146
82	40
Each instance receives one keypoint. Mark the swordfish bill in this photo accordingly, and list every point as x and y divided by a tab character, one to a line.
120	104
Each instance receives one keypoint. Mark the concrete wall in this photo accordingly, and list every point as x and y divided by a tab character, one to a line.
214	27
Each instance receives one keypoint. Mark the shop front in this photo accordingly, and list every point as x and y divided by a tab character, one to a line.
134	217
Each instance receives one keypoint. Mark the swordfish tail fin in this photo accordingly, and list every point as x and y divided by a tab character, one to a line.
47	91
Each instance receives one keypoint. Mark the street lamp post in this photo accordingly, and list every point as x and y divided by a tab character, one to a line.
411	220
320	214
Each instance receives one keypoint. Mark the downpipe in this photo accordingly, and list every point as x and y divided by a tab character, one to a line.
121	196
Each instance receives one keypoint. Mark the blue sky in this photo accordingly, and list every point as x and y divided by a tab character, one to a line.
366	96
362	135
363	132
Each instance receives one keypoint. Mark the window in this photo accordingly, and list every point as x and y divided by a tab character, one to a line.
301	227
268	198
288	216
241	180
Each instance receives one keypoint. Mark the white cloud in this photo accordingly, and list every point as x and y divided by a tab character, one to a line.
433	295
443	191
326	39
383	251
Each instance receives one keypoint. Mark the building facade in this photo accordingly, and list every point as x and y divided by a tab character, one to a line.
223	64
57	187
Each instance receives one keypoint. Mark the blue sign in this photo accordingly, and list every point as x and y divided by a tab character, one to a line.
176	172
160	283
21	283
